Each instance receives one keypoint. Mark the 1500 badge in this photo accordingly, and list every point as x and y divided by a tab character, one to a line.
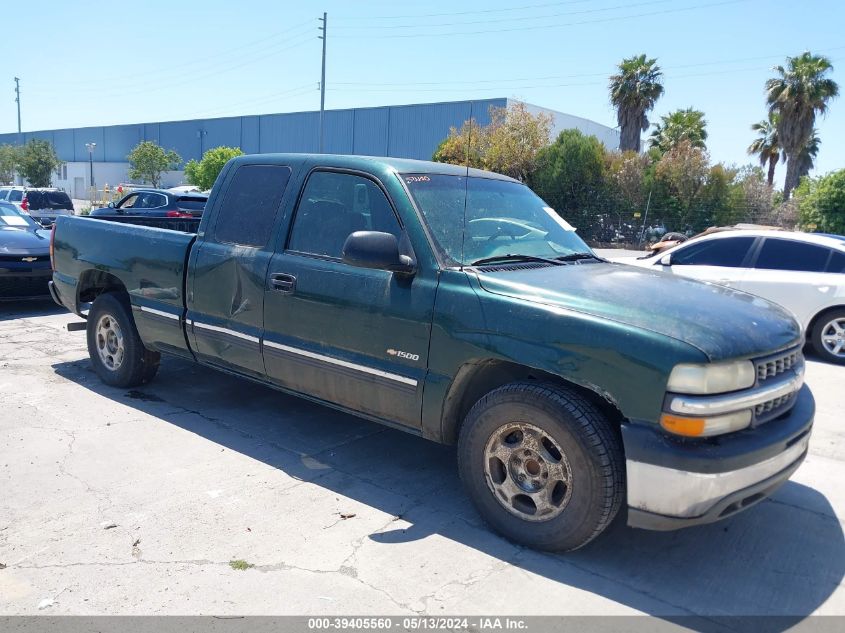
400	354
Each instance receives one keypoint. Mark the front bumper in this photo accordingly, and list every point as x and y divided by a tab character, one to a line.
675	483
17	285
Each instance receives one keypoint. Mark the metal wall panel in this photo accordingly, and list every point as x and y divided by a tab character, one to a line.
339	131
250	139
151	132
63	144
120	140
84	135
226	132
183	137
416	130
296	132
371	127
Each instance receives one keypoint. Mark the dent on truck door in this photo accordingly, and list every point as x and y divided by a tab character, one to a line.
352	336
226	307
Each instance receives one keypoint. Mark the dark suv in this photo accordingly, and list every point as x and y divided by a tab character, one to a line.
42	203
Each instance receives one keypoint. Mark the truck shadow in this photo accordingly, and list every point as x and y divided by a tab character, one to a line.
782	559
10	310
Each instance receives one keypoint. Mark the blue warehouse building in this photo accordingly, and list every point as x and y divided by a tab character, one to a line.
403	131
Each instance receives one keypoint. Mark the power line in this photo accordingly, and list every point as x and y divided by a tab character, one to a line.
512	19
552	26
453	13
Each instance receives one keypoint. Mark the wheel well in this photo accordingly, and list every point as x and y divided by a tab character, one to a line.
818	317
476	379
93	283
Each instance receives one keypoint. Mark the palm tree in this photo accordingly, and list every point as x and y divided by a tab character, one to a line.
807	155
680	125
801	90
633	92
767	145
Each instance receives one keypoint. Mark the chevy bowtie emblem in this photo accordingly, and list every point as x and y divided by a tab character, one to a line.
29	259
392	352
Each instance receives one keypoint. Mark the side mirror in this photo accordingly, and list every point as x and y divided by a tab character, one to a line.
374	249
666	260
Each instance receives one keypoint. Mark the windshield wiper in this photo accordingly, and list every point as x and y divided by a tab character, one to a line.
510	257
573	257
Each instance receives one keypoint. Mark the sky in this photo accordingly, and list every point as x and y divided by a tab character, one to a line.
97	63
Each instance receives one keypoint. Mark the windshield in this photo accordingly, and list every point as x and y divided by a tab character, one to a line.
10	216
503	218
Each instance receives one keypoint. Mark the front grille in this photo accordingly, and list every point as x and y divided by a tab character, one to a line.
776	365
771	405
20	258
11	287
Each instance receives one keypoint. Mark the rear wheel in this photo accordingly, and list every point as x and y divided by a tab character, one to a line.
828	336
117	353
543	466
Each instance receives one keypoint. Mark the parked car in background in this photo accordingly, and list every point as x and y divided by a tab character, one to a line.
24	255
42	203
804	272
156	203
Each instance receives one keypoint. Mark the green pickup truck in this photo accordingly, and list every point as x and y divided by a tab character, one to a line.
456	305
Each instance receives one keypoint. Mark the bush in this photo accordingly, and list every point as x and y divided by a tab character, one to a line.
203	173
821	203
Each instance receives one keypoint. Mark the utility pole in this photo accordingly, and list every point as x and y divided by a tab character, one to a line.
324	20
18	100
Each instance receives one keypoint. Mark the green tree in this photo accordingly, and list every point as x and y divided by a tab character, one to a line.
514	139
203	173
571	176
634	90
821	203
681	125
509	144
800	90
683	170
767	145
807	156
9	158
37	162
463	146
148	160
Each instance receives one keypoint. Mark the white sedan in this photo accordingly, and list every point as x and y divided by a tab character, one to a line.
803	272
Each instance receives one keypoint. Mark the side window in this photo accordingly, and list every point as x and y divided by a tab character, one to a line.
15	195
335	205
836	263
790	255
129	202
250	204
728	252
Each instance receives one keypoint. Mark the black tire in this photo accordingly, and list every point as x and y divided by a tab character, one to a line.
137	365
589	445
823	322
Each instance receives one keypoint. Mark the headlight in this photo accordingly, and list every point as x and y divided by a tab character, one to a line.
706	427
712	378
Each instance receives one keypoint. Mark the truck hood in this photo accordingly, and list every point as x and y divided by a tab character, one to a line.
721	322
14	240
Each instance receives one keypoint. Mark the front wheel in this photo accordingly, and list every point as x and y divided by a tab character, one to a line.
117	353
828	336
543	466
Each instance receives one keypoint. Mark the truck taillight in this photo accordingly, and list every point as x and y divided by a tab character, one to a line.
25	204
178	214
52	239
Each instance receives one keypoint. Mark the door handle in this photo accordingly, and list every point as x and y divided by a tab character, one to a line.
283	282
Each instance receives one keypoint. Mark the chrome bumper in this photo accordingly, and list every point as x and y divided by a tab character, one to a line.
687	495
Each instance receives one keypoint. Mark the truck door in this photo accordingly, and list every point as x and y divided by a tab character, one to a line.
228	269
352	336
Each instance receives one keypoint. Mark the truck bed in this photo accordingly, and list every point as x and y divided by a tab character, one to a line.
149	262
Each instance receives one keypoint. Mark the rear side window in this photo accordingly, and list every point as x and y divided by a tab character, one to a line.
789	255
35	200
192	204
250	204
836	263
15	195
728	252
333	206
57	200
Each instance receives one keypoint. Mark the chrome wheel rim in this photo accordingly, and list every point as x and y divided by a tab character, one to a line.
109	341
833	337
527	472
